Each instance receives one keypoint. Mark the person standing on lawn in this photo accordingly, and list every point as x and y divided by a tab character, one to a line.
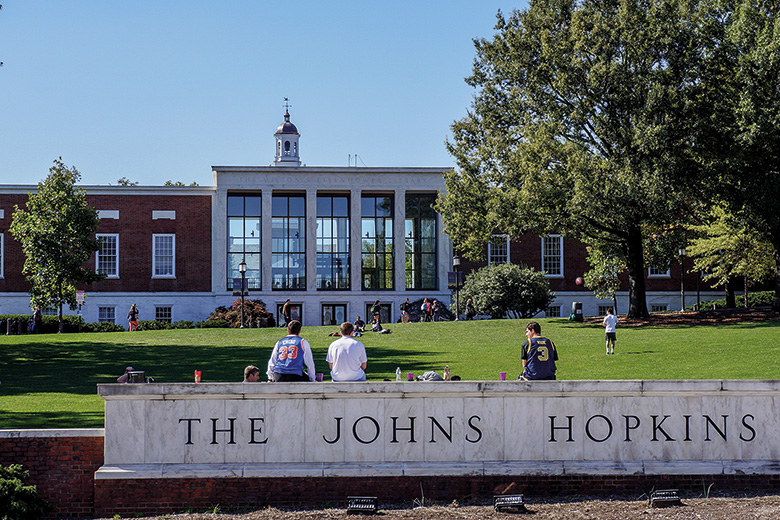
610	324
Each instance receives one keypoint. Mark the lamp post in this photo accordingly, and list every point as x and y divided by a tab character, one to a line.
456	268
681	252
242	270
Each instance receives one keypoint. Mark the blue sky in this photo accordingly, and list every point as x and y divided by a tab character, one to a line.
159	90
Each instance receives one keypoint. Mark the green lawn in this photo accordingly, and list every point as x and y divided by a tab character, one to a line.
48	381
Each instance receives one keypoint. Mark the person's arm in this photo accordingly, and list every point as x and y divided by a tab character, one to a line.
271	362
363	365
308	360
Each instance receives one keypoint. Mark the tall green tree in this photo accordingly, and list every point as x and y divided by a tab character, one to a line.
582	124
745	72
57	232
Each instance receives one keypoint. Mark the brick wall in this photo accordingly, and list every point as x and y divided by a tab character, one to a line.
62	466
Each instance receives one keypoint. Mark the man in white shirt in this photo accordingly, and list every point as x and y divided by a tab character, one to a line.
610	322
347	356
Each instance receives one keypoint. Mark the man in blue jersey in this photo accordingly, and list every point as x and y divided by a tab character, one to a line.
539	355
289	356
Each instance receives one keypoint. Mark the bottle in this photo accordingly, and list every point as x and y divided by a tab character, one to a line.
447	372
398	374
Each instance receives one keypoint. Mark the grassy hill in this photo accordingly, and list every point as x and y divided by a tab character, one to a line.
48	380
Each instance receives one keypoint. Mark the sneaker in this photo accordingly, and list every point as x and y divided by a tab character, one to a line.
612	352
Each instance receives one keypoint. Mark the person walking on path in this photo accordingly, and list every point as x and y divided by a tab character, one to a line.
286	313
132	318
610	324
539	355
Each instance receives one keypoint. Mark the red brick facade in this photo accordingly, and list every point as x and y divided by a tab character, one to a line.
135	227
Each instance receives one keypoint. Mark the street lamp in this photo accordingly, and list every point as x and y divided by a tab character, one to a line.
242	270
681	252
456	268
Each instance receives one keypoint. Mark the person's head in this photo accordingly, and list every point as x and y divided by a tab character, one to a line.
252	374
425	300
407	300
294	327
469	301
287	301
533	327
376	317
609	310
376	302
357	319
346	329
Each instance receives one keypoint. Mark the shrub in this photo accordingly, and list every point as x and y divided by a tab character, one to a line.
17	500
755	299
254	313
504	289
164	325
102	326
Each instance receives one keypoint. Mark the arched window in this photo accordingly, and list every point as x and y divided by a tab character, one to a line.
287	148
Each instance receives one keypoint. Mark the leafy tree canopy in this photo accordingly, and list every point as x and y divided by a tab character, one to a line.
583	124
57	232
498	289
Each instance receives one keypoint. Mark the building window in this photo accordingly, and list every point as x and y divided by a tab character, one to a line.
385	314
164	256
377	241
288	234
420	242
334	314
107	257
498	250
659	308
603	309
553	311
552	255
332	242
163	313
107	314
244	238
655	271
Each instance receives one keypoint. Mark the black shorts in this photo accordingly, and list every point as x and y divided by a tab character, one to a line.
610	336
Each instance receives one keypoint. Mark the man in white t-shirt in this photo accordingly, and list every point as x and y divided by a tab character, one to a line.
610	322
347	356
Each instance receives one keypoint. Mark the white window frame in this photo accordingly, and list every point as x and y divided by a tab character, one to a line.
553	311
490	253
559	238
102	319
659	308
155	237
655	272
158	308
115	274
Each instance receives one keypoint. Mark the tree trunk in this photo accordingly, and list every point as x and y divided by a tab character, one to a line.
731	300
62	322
637	291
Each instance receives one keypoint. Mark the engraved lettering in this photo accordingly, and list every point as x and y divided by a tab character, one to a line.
553	428
253	430
657	428
746	425
435	423
709	422
396	428
338	432
471	425
355	433
189	429
587	428
215	431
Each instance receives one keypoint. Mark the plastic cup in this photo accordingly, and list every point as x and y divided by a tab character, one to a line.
410	376
502	375
197	376
319	377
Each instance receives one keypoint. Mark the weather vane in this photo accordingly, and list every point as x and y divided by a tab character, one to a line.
287	104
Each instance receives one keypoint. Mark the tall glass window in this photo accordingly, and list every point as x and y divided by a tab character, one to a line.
244	238
332	242
377	241
288	254
552	255
107	257
498	249
420	242
164	256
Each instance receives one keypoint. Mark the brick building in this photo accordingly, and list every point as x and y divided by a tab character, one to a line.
331	239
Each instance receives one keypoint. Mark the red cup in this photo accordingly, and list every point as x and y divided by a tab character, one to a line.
197	376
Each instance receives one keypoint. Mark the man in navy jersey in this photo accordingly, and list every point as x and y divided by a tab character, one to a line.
289	356
539	355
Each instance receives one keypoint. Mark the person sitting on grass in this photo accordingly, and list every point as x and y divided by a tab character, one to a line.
347	356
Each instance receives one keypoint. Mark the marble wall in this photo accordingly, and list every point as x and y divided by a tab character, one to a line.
464	428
